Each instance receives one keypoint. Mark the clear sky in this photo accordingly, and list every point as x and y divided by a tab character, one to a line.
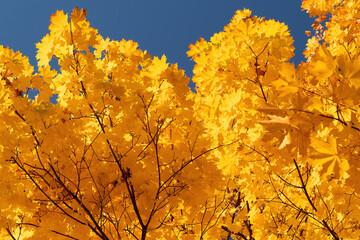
159	26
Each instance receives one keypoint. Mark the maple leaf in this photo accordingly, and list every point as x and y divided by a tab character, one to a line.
324	64
327	152
349	69
58	21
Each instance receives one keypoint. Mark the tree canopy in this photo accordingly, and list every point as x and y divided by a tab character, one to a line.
262	149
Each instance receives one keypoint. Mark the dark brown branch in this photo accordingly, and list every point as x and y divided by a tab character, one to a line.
17	113
97	118
329	117
62	234
248	227
45	194
332	232
234	233
97	229
259	73
128	184
208	225
11	235
267	159
303	186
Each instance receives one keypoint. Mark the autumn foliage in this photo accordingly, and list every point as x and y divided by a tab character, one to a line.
263	149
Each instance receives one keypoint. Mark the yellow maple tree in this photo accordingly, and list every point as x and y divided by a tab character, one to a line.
263	150
294	172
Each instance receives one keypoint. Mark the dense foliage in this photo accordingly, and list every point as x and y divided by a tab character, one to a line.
262	150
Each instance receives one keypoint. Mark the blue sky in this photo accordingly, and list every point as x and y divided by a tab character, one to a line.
159	26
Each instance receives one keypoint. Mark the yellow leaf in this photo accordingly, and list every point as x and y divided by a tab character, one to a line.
58	21
327	152
277	120
350	69
323	65
44	50
286	141
327	148
158	65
